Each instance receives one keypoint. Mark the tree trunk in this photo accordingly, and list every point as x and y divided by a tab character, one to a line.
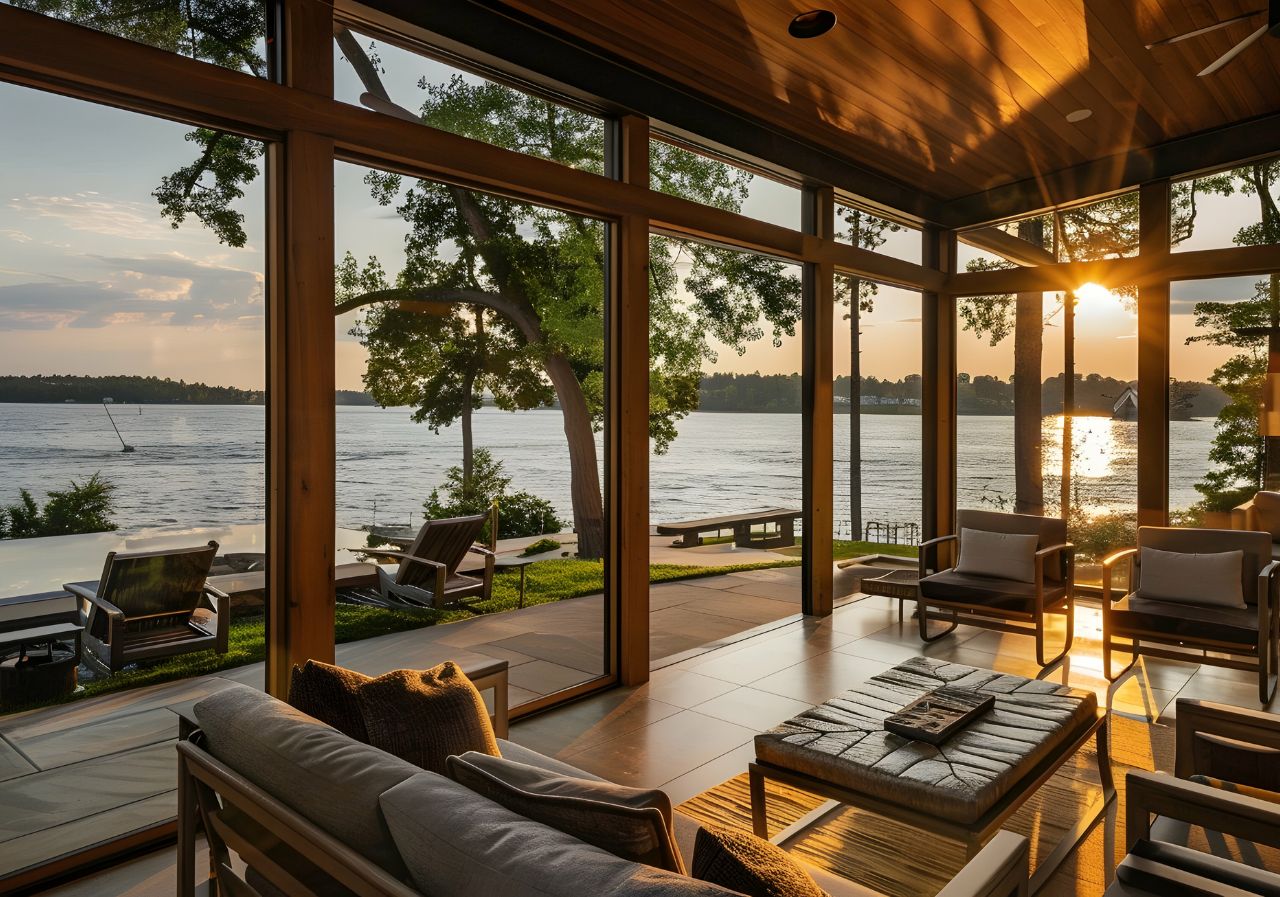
468	443
584	470
1028	413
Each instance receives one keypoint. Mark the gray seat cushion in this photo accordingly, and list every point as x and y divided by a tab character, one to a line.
1185	621
456	842
322	774
987	591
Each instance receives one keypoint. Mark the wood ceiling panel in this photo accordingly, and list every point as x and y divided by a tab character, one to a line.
956	96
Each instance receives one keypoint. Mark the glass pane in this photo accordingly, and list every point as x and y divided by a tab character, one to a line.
725	463
862	229
382	76
471	353
1218	365
878	476
1227	208
701	178
1104	229
131	420
227	33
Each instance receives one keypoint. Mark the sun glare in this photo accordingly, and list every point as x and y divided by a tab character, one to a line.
1095	295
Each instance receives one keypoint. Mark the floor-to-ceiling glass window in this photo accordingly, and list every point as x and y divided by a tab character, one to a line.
132	313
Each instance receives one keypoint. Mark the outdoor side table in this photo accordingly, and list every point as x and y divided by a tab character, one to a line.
521	564
904	585
39	663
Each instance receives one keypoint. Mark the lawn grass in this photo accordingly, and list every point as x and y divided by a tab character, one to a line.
843	549
547	581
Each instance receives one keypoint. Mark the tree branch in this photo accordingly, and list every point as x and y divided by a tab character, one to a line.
438	300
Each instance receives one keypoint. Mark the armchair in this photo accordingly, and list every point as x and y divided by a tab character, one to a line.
1010	603
1154	625
150	605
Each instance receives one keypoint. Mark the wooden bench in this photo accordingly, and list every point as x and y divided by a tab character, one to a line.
691	531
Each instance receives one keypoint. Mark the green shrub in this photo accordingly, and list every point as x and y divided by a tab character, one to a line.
1098	535
519	513
82	508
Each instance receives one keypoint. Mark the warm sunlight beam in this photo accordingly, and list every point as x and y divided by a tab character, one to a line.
1094	296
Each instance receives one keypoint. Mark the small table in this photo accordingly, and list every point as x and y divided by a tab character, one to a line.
39	663
904	585
841	751
514	560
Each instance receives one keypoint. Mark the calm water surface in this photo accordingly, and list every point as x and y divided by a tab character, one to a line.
203	465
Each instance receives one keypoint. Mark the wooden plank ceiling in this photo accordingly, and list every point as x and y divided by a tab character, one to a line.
953	96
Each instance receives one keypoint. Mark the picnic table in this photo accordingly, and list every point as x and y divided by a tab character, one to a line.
691	531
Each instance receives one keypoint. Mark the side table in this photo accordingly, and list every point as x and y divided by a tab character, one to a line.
510	561
904	585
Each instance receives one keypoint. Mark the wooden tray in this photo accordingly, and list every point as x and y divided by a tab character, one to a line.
938	715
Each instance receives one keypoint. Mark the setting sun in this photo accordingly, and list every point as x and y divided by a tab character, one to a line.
1094	295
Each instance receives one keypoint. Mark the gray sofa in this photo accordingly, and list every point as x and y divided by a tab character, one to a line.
310	811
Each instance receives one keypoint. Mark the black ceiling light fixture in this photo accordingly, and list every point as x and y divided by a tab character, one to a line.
814	23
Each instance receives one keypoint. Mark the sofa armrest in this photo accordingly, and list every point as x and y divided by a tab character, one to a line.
1001	869
1238	724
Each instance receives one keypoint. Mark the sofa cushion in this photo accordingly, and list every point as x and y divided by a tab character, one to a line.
456	842
999	555
424	716
330	694
749	865
633	823
1185	621
1004	594
1187	578
322	774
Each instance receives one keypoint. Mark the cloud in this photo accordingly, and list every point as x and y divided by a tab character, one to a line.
12	233
164	289
90	212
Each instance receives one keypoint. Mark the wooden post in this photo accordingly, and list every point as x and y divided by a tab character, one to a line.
938	312
1153	357
300	364
818	586
627	451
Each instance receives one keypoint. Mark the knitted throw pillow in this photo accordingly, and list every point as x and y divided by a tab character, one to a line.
749	865
424	716
330	694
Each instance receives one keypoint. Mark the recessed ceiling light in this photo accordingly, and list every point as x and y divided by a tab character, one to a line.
1079	115
814	23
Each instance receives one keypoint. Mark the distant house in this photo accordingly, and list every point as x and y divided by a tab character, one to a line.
108	401
1126	406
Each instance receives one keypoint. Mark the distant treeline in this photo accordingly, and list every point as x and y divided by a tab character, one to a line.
1094	394
133	390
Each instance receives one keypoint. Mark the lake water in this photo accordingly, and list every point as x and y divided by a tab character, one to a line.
203	465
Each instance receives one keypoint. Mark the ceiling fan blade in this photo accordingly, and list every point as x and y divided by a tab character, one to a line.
1199	31
1234	51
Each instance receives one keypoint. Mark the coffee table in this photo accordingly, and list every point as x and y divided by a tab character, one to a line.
963	789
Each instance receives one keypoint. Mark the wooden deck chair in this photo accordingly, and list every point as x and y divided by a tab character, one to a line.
150	605
427	575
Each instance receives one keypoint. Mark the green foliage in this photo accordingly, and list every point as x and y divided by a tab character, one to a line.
542	546
519	513
1097	535
133	389
866	231
81	508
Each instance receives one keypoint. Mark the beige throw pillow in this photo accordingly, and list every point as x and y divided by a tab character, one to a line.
1001	555
1185	578
632	823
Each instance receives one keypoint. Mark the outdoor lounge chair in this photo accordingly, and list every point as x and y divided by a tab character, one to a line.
1212	616
1227	782
1007	594
427	575
150	605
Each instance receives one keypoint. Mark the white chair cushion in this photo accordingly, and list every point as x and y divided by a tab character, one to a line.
1209	579
999	555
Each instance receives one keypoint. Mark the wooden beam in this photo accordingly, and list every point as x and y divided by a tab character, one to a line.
818	438
1006	245
939	384
627	470
80	62
1208	151
1153	358
301	443
1137	270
